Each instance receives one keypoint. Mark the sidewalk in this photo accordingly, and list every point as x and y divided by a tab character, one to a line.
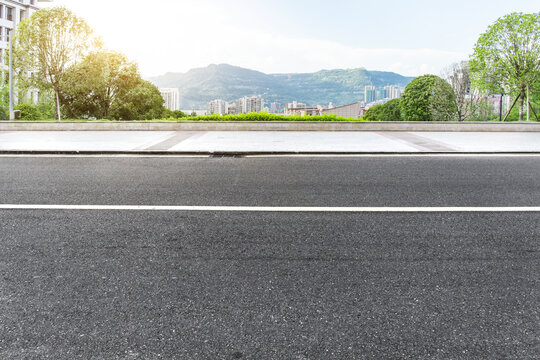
271	142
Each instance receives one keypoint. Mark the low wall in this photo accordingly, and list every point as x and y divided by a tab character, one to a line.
265	126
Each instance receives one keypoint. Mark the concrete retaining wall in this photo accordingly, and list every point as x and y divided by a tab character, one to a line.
264	126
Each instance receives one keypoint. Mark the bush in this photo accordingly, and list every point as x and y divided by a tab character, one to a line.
173	114
427	98
373	113
29	112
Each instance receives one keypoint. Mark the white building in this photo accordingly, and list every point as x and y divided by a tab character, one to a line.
217	107
11	13
171	97
392	92
249	104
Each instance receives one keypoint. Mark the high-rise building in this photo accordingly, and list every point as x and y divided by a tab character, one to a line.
370	94
381	93
217	107
249	104
392	92
171	97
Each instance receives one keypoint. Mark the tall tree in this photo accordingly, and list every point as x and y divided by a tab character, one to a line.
467	99
49	42
91	87
506	57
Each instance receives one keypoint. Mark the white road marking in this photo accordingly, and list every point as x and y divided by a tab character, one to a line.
268	208
397	155
100	156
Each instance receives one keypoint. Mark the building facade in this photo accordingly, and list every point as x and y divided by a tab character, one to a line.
171	97
218	107
11	13
392	92
249	104
370	94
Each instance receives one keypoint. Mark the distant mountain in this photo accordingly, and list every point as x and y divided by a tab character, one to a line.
227	82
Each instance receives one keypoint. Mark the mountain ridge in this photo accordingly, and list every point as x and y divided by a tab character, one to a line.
223	81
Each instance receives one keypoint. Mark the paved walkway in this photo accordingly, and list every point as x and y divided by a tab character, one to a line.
269	142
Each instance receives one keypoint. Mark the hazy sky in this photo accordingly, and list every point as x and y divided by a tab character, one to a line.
411	37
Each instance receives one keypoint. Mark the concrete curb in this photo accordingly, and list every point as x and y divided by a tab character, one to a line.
265	126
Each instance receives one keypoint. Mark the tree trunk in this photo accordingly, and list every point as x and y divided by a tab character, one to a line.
521	105
57	100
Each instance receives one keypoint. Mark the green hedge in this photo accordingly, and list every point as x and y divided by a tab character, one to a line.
263	117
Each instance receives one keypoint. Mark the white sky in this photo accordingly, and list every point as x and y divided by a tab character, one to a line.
410	37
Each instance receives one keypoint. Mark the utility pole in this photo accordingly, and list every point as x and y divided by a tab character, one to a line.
11	112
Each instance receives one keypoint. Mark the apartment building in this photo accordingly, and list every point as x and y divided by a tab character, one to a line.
392	92
13	12
218	107
247	105
370	94
171	97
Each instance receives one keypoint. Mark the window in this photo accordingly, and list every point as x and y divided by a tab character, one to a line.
1	11
9	13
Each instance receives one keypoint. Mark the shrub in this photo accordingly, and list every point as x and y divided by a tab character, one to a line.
373	113
29	112
427	98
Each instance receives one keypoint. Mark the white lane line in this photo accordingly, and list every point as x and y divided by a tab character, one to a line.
396	155
268	208
100	156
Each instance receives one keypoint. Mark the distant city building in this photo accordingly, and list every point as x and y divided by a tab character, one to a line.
296	105
351	111
275	107
370	94
231	109
217	107
392	92
171	97
381	93
249	104
300	109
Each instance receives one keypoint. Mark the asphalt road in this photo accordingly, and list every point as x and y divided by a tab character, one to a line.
266	285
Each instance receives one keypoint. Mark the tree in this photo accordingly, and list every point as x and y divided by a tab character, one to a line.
373	113
47	43
467	99
92	87
442	104
506	57
391	111
427	98
141	102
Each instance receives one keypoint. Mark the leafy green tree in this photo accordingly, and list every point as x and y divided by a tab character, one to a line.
141	102
93	87
373	113
427	98
506	57
46	44
442	104
391	111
